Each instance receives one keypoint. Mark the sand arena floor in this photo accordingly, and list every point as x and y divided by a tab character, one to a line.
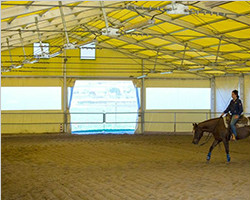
116	167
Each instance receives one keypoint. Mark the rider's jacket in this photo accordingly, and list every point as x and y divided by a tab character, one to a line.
235	107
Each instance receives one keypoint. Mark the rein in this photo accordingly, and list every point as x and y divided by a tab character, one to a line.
207	139
209	134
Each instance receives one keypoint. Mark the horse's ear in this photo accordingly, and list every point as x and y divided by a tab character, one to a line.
195	125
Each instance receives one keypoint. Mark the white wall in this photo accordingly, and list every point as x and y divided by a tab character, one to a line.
190	115
247	94
223	90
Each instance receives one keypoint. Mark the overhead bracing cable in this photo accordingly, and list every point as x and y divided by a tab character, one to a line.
185	48
153	49
21	39
39	35
63	21
105	16
122	33
218	50
133	7
7	68
156	58
216	32
7	40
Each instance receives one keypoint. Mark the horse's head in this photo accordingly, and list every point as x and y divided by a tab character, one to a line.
198	133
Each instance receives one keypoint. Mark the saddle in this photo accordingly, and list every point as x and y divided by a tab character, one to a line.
243	121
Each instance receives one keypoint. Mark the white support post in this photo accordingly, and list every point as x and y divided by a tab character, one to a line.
213	97
142	101
65	93
241	89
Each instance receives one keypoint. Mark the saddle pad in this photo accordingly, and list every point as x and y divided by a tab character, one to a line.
238	125
225	122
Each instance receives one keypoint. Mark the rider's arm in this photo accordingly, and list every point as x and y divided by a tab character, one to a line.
240	107
228	108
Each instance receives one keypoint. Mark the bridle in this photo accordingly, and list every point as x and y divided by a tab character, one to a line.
207	138
210	134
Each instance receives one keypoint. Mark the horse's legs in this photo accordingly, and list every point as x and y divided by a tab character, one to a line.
226	145
211	148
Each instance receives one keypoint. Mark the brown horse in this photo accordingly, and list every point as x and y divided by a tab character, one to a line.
217	127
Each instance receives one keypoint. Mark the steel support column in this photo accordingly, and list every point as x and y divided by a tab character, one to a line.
65	94
142	101
213	97
241	89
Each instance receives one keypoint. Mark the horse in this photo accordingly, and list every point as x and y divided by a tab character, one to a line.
221	133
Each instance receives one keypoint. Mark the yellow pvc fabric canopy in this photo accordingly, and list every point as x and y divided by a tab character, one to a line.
212	39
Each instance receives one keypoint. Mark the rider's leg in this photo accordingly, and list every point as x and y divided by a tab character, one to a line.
232	125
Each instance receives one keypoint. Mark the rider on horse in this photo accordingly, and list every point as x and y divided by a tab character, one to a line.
235	108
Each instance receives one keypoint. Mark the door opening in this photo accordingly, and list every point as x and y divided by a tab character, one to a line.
104	107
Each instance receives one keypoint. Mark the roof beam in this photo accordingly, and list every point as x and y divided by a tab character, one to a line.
190	59
71	21
11	19
55	13
189	26
126	52
242	19
43	12
28	9
29	4
193	45
139	56
177	55
146	46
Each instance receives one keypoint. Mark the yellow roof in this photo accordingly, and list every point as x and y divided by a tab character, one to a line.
213	31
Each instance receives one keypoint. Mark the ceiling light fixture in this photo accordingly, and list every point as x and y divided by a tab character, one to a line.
177	8
168	72
142	76
196	69
110	31
18	66
142	24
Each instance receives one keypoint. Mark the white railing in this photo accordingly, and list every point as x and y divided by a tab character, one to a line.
174	118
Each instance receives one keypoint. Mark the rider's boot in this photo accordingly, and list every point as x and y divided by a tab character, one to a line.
233	137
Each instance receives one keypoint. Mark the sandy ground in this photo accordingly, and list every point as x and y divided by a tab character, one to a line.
121	167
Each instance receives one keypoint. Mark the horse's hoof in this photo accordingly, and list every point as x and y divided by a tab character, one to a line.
208	156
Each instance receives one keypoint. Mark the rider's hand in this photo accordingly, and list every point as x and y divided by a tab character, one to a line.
236	116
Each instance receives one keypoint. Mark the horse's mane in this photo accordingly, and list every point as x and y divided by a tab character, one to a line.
209	120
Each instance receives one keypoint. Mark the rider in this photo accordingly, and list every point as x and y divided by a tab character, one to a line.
235	108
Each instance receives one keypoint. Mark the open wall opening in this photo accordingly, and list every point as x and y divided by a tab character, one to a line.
103	107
